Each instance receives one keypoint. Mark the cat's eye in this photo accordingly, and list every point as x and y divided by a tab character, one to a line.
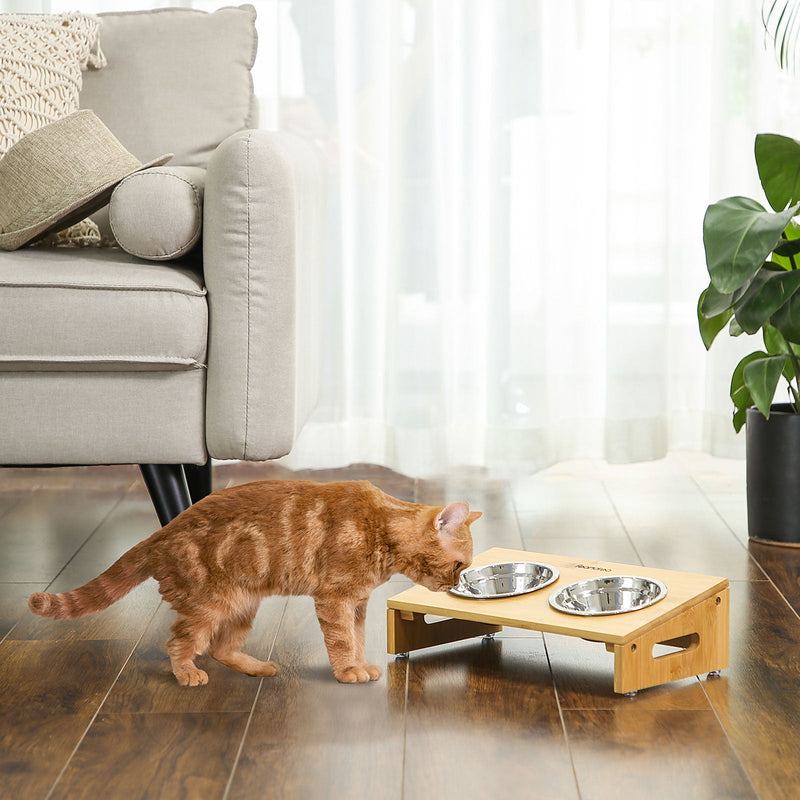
459	566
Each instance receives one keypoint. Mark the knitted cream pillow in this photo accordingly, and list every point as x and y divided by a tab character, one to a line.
41	58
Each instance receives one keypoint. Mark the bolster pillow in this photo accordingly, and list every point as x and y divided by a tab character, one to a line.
157	213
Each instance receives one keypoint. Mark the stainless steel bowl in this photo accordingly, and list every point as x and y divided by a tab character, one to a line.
506	579
614	594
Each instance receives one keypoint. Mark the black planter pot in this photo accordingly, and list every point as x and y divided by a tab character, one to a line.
773	476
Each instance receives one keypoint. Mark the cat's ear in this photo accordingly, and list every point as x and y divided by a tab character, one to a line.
452	516
474	515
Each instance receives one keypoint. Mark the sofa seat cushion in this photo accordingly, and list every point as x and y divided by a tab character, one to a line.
99	310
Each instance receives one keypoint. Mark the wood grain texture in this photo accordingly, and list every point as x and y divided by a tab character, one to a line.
41	533
782	565
49	693
311	737
34	746
144	756
654	753
447	721
71	677
757	699
485	712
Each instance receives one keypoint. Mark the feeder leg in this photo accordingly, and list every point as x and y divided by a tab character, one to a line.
701	634
407	630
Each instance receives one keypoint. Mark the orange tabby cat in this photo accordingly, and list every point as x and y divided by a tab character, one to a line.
333	541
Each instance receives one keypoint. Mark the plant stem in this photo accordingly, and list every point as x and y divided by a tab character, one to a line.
791	260
796	369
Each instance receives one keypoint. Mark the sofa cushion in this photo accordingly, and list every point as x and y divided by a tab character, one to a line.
99	310
158	213
176	78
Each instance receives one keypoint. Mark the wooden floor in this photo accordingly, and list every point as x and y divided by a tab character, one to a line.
89	708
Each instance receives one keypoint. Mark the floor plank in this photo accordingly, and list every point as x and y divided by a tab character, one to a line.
49	693
35	746
782	566
757	700
164	756
41	533
480	712
681	754
311	737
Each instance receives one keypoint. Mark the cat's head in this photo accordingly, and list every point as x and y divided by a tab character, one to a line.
445	549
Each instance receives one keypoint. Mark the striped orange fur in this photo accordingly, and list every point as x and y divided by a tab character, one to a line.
333	541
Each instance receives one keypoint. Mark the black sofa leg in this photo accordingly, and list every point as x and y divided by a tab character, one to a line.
199	479
168	489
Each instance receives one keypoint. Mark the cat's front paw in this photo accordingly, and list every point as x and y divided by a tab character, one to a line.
191	676
363	674
265	669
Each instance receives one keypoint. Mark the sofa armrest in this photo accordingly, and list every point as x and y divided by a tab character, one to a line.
262	224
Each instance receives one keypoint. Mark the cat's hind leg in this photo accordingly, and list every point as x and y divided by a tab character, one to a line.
189	639
227	640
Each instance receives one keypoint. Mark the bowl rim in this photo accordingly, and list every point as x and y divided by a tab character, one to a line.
552	579
554	596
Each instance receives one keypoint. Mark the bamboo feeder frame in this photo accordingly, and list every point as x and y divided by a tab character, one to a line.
692	620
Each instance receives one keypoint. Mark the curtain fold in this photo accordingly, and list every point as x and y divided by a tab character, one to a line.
514	239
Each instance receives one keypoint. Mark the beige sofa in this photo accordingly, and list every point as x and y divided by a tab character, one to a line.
109	358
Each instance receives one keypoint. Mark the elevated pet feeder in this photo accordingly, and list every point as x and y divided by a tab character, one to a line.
690	617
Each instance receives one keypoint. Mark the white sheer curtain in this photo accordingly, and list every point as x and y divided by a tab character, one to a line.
514	248
516	209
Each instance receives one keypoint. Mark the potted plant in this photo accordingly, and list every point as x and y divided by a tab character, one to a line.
752	256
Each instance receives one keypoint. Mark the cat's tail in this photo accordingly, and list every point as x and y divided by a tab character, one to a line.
123	575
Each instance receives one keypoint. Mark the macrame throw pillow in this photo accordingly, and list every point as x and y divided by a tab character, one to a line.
41	58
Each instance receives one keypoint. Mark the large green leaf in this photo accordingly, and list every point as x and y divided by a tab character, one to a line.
769	290
778	162
787	319
713	302
710	326
776	344
761	377
740	394
738	235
